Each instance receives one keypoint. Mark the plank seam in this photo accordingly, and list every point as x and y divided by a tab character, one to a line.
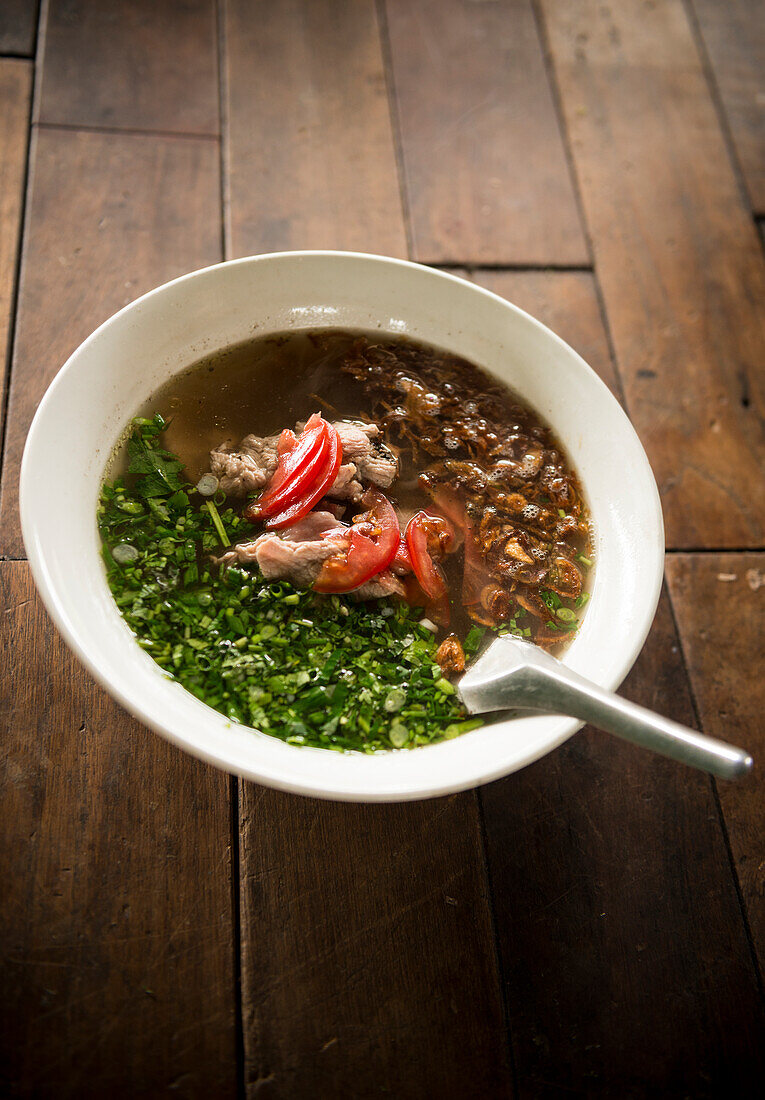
552	83
236	915
718	804
16	285
395	122
40	43
11	55
223	126
714	549
131	131
236	881
552	80
475	268
497	948
707	69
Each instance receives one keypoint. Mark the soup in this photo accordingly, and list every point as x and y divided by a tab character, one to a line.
360	514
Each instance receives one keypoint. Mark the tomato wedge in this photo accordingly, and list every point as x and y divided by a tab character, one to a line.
303	479
298	466
316	489
424	534
375	538
287	441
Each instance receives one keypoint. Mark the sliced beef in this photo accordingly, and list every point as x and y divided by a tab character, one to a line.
298	554
246	469
384	584
361	445
365	459
346	485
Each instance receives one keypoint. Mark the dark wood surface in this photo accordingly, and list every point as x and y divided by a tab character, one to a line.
18	27
677	256
720	607
118	952
483	165
15	100
591	926
309	142
139	65
733	38
109	216
374	970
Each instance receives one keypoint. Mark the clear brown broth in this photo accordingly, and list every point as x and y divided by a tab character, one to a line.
263	385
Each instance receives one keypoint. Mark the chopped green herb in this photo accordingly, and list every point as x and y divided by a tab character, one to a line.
473	639
225	540
158	472
311	670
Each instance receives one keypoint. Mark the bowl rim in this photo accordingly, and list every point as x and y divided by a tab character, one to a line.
55	604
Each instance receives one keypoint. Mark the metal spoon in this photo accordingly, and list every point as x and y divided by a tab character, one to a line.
513	673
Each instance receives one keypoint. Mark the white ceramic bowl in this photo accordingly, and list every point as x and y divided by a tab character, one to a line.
124	361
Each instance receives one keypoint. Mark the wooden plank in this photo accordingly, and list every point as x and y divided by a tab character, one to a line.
565	301
719	601
18	27
310	148
15	94
485	170
139	211
117	960
131	64
627	967
734	36
677	255
368	963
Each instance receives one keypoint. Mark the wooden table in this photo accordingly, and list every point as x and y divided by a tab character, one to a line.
591	926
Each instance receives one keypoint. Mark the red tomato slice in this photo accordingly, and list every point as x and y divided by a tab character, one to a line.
287	441
302	479
303	505
375	537
423	533
299	464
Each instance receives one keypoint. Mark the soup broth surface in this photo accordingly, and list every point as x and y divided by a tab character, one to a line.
471	436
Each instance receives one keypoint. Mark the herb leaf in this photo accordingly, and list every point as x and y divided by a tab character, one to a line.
158	472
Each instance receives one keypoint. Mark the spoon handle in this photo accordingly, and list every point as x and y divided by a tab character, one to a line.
561	690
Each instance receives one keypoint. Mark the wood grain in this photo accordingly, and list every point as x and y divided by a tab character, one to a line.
131	64
310	148
734	37
565	301
117	960
18	27
627	967
368	963
15	93
111	216
485	171
677	255
719	601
